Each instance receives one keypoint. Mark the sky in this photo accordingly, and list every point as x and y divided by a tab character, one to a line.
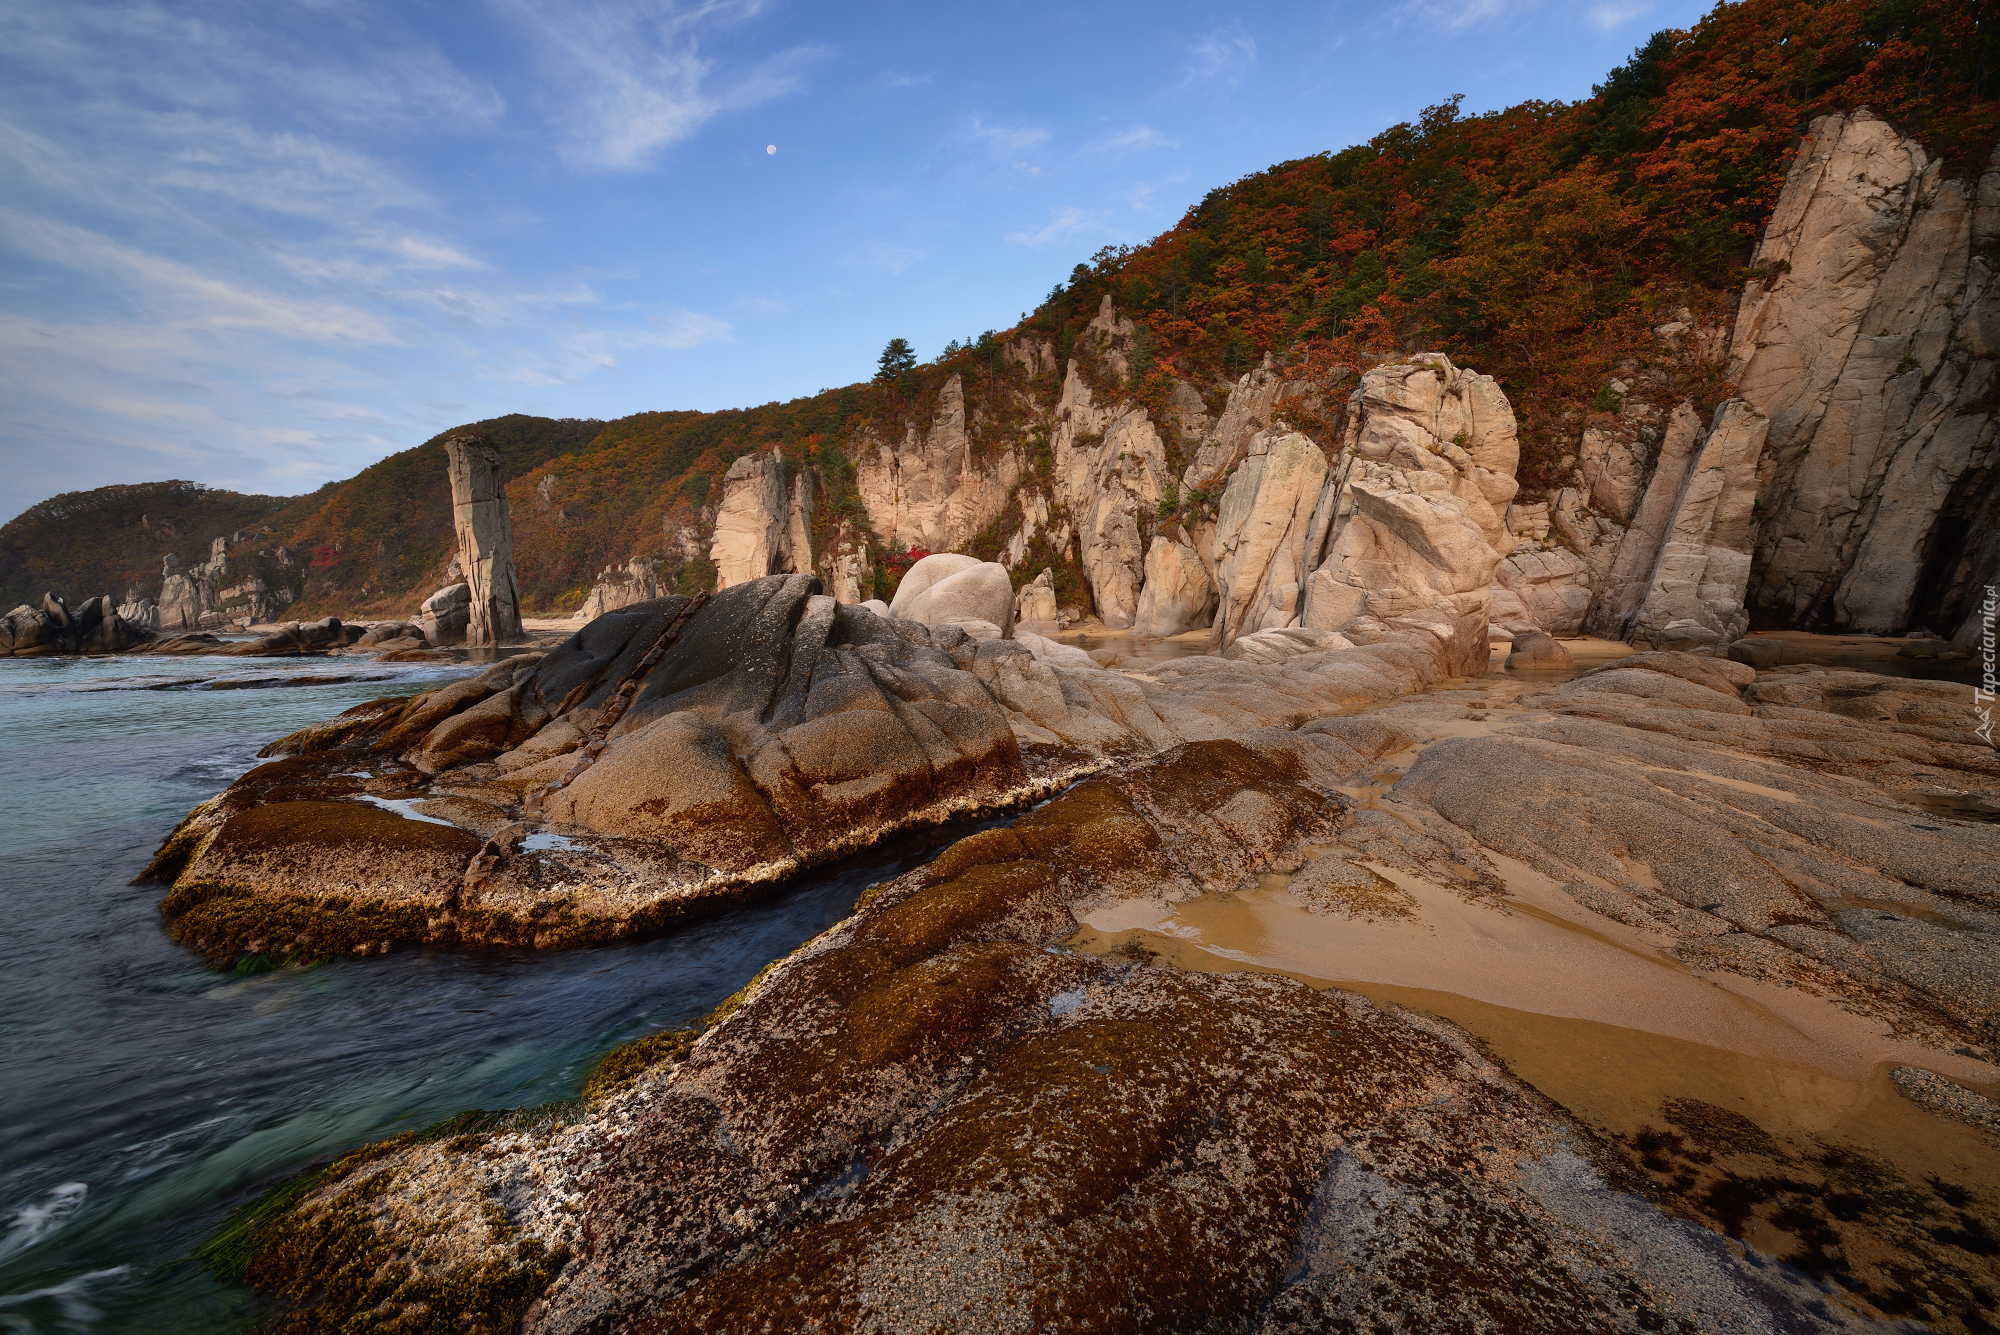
264	244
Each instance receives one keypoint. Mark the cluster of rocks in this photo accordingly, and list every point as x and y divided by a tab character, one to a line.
98	627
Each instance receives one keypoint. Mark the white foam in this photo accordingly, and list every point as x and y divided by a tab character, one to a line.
34	1222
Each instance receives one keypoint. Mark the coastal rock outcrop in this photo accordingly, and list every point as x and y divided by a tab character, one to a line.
485	541
929	490
805	727
1110	472
952	1112
1177	595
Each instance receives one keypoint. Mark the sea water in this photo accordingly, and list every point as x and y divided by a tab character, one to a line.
142	1095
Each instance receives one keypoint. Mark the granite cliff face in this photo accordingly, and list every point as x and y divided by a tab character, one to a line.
1850	485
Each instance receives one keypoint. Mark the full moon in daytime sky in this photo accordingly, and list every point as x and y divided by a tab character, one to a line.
770	148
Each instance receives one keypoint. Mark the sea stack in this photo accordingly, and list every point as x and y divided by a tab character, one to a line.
485	540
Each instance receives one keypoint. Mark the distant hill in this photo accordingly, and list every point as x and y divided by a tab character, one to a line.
114	539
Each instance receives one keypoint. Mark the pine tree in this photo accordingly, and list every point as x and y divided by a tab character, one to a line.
898	360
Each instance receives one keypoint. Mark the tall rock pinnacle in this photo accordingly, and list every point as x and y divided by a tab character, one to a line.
485	540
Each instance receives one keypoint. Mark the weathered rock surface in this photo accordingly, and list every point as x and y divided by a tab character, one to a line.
1870	346
446	614
1538	651
933	1117
1410	522
1177	595
930	490
764	526
1035	608
637	581
1695	596
811	728
1110	472
485	541
1261	535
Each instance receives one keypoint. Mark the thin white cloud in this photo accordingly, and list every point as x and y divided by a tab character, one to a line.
1003	141
1137	139
1066	223
683	329
1455	15
1608	16
884	258
643	82
1220	59
895	81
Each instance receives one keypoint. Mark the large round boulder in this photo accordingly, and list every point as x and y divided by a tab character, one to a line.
948	588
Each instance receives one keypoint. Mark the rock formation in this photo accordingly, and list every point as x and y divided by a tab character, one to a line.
806	727
763	527
446	614
637	581
1177	595
1409	526
485	541
1851	486
929	490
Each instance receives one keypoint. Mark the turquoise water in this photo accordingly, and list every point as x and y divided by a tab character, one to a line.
142	1096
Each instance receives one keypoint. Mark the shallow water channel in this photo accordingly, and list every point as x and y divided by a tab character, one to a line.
142	1096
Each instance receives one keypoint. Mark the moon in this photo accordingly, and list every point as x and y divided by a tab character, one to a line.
770	148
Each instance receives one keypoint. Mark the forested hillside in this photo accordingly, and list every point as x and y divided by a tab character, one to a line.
1542	244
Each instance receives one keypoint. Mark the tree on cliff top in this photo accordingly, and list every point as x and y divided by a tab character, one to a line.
898	360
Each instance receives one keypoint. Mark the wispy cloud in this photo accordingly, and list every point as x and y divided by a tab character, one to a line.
883	258
1616	15
645	83
684	329
895	81
1220	59
1066	223
1003	141
1456	15
1137	139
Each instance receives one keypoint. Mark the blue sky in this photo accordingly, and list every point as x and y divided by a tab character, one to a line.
261	245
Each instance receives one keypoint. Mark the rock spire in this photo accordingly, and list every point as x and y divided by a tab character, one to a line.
485	540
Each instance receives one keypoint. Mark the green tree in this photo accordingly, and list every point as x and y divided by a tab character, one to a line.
898	360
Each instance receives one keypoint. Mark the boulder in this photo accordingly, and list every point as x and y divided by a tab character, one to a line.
947	587
1759	654
446	614
485	542
54	628
1538	651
